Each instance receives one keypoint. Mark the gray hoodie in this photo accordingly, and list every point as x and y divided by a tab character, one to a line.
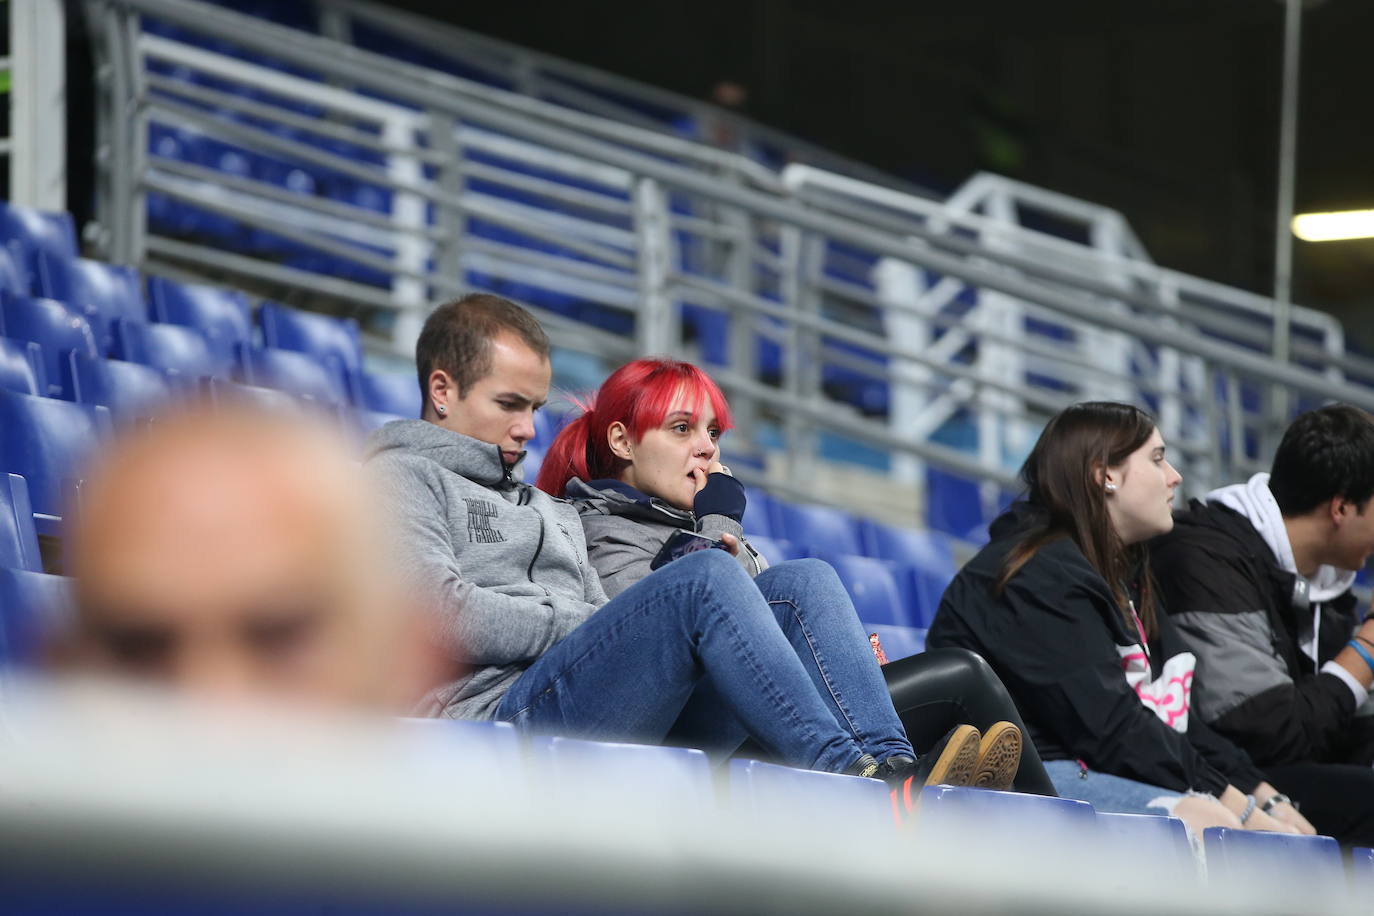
625	530
505	564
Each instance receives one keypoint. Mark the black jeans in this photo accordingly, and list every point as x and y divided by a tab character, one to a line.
1338	798
941	688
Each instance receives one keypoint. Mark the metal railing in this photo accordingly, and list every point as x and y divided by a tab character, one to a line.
803	291
587	89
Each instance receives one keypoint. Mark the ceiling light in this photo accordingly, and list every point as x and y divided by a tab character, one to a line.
1330	227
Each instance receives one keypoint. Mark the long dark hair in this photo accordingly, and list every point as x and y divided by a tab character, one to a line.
1062	483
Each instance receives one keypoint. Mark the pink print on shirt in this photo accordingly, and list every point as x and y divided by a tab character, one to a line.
1167	695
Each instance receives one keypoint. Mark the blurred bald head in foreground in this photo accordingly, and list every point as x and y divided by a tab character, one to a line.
237	555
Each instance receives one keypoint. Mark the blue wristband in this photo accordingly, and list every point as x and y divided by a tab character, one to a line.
1364	654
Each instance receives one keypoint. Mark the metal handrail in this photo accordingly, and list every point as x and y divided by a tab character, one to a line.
741	225
445	38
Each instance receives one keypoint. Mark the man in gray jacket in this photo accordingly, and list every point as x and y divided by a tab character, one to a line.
506	565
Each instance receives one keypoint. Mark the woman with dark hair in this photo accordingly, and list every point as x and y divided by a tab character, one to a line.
642	465
1061	604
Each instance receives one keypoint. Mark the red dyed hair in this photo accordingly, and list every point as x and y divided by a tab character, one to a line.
638	394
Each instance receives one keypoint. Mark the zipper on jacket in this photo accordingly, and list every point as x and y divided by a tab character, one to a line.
538	548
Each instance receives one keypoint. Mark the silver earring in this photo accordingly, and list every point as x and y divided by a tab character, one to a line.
441	408
1111	488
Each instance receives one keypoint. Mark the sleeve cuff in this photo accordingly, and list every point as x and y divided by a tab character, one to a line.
1356	688
722	495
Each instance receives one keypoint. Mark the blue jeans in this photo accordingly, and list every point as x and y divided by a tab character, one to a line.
1109	793
701	654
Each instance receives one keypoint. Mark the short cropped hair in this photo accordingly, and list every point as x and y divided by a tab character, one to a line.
457	339
1327	452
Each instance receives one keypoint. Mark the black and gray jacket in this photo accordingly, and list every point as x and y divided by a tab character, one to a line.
1086	684
1266	678
625	529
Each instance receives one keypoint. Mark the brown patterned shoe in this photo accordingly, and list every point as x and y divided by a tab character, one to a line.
953	760
999	756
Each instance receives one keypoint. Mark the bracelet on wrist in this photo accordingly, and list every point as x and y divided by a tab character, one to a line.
1249	809
1365	641
1363	653
1273	801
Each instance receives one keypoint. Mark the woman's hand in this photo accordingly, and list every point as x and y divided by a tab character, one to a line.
731	543
1285	813
1201	811
1258	820
715	467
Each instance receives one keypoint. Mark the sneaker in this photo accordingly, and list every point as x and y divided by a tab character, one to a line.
999	756
865	766
952	761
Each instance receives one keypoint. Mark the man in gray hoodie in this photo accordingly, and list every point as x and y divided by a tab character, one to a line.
506	565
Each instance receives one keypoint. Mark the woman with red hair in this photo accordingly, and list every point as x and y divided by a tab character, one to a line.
642	464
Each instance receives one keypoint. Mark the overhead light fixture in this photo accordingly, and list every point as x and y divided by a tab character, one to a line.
1332	227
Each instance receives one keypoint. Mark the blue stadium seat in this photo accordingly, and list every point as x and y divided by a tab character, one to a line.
898	642
758	514
496	740
773	550
34	607
545	428
1161	841
534	460
638	773
389	392
222	315
18	539
954	504
26	232
14	280
772	793
101	292
1009	817
131	391
171	348
927	549
921	591
1362	871
368	421
22	368
223	394
321	336
1305	869
299	374
55	328
48	441
817	527
873	586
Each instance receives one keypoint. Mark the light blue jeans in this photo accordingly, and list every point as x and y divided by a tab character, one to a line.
700	654
1109	793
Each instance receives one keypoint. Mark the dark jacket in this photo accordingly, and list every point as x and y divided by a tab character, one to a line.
1058	640
625	529
1233	604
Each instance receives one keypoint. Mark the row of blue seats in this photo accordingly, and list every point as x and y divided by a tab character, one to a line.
638	774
